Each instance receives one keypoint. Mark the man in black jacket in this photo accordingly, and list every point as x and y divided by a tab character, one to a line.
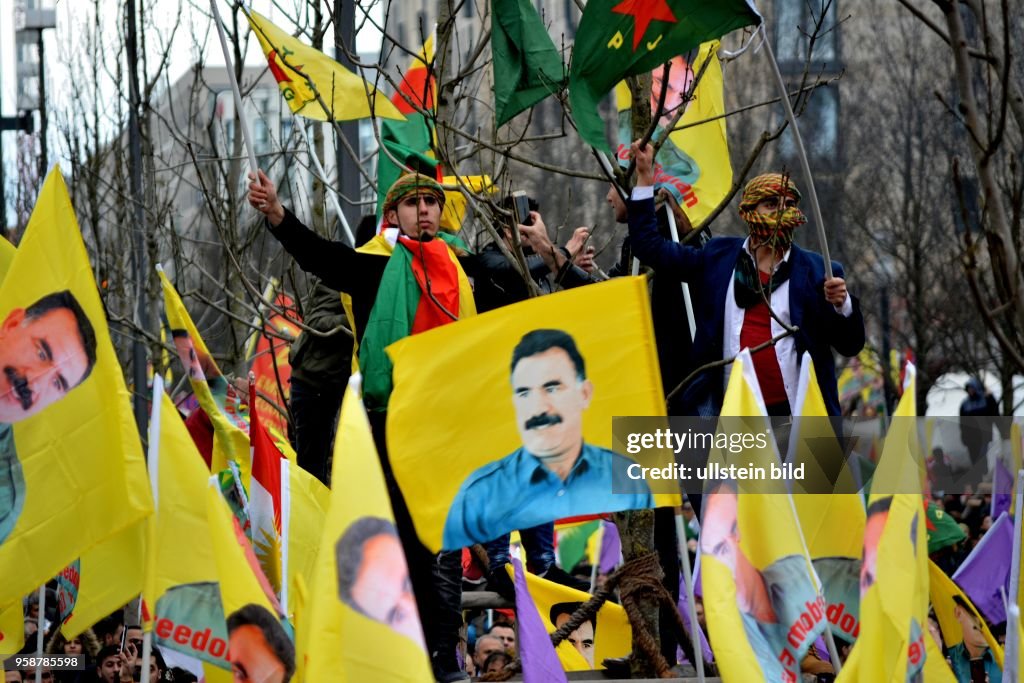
412	214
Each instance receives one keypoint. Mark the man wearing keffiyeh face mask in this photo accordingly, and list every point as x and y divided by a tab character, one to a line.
741	289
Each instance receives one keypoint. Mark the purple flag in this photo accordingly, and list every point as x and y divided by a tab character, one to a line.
986	571
684	611
1002	489
611	548
540	662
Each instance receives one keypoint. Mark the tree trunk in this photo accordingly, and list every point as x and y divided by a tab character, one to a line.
636	527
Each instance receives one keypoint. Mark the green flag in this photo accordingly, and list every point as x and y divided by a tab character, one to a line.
943	530
411	141
619	38
527	66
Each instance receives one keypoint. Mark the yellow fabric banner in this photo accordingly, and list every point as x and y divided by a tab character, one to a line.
303	73
7	252
945	595
832	523
455	202
12	629
526	442
197	554
362	624
308	511
108	577
72	473
763	607
608	635
220	400
693	164
894	569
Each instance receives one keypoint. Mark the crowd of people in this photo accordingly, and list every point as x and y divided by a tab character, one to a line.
761	292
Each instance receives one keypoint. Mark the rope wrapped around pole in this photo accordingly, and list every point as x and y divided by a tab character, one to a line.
636	579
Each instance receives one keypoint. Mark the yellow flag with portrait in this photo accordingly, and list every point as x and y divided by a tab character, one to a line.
607	635
363	624
72	472
222	402
693	163
520	403
892	645
197	571
763	606
830	510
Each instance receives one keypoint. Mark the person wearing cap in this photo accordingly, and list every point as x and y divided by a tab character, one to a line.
733	280
408	279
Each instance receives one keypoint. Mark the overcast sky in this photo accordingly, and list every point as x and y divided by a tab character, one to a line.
71	14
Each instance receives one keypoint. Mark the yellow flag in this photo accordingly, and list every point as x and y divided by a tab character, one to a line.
362	624
894	569
105	578
7	252
72	473
220	400
609	635
12	629
455	202
197	555
464	370
693	164
304	73
763	607
945	595
240	578
830	511
309	500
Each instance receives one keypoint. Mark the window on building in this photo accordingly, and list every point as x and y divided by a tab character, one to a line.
795	21
819	128
569	25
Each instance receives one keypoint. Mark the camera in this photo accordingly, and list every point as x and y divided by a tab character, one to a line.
520	204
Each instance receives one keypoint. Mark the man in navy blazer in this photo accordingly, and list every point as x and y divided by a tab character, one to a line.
742	288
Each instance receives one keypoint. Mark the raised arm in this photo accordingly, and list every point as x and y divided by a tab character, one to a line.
646	243
333	262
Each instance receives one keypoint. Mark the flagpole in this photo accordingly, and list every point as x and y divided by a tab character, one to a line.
243	123
39	633
254	337
801	152
1010	661
300	125
691	606
687	304
153	468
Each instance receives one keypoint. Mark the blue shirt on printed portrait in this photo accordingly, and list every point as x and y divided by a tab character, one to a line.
519	492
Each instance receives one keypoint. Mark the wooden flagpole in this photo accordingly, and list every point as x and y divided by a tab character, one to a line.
684	557
801	152
243	124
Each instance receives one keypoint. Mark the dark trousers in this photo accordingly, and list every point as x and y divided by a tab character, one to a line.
315	416
436	577
538	542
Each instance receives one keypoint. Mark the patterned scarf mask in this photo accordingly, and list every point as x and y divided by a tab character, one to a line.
775	228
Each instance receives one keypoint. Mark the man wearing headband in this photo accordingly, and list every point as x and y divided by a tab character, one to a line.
409	279
738	286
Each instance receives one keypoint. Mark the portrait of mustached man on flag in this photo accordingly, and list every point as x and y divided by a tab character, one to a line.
528	394
66	428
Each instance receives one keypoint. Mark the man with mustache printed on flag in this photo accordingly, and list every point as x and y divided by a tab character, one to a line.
46	350
555	474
